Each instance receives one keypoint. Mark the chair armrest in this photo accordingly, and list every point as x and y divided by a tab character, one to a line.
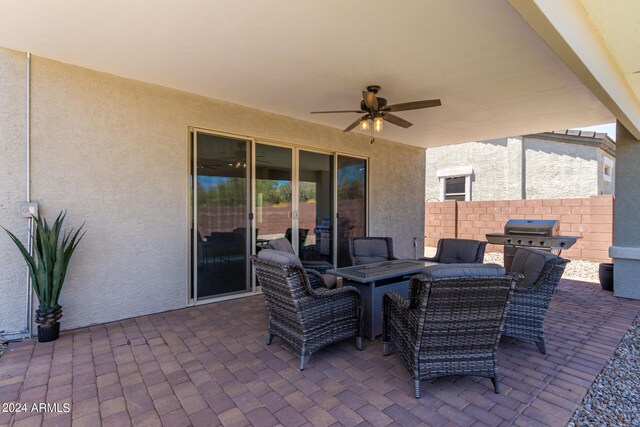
395	300
337	292
334	305
315	278
397	313
319	266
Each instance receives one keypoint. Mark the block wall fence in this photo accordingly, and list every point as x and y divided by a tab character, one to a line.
589	218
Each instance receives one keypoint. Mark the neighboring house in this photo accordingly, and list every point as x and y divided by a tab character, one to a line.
549	165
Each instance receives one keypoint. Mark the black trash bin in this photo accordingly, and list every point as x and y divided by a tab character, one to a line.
606	276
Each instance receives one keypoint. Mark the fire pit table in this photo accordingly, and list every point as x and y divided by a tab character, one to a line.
373	281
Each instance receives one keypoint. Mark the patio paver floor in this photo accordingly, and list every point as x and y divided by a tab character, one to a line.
210	365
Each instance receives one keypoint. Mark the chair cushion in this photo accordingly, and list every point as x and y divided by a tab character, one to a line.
459	251
370	250
281	244
329	280
442	271
279	257
530	262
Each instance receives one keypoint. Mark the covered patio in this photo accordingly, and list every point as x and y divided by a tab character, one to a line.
101	108
199	366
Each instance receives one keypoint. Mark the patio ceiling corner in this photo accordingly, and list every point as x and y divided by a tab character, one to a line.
599	42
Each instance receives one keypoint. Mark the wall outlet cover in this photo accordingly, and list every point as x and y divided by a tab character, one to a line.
27	210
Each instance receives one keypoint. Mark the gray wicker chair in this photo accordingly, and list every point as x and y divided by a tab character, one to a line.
451	322
367	250
325	280
458	251
542	272
303	317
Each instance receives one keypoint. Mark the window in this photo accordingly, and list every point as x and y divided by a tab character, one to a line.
454	188
607	169
455	183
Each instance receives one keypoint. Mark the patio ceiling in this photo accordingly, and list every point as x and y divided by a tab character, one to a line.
495	75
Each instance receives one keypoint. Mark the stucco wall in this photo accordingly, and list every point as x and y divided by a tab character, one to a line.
113	152
604	186
488	160
558	170
626	238
13	273
520	168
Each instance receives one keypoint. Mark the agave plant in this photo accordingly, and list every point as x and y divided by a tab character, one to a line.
48	265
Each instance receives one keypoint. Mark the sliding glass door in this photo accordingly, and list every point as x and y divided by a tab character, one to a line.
273	187
352	204
220	221
315	206
246	193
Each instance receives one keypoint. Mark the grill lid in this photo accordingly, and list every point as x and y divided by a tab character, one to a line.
538	227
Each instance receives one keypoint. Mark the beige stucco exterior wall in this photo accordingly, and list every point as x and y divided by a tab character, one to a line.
13	272
522	168
113	152
488	181
606	186
557	170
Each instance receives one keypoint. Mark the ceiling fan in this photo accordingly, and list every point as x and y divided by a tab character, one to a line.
376	110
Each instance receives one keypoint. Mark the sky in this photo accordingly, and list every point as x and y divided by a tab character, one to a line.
609	129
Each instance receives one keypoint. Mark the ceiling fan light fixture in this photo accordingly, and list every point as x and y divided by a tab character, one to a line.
364	124
377	124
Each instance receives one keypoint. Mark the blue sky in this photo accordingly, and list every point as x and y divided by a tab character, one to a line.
609	129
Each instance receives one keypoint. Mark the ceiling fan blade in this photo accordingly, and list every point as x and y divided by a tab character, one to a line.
398	121
370	99
339	111
354	124
415	105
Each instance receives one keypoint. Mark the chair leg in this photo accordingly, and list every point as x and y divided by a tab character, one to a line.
416	384
385	348
541	346
303	360
496	384
270	338
359	343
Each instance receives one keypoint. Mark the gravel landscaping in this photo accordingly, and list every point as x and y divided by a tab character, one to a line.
586	271
614	397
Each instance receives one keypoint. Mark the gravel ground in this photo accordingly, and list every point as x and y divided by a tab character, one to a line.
3	347
585	271
614	397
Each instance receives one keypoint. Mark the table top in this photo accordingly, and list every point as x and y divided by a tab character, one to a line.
381	270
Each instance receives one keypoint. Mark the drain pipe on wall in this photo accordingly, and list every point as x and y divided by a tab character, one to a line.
28	200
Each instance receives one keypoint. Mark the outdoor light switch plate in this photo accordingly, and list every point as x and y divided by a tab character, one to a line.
27	210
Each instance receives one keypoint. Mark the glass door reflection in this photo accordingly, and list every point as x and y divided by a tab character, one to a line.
274	210
220	189
352	204
315	206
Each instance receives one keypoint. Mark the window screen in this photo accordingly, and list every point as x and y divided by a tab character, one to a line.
455	188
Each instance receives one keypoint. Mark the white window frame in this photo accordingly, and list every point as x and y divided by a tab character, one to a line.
607	163
465	171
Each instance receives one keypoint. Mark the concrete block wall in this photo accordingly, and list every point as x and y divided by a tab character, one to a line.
589	218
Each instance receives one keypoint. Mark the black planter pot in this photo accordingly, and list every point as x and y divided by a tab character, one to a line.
606	276
48	334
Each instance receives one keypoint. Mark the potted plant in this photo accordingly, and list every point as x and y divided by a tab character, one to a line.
47	268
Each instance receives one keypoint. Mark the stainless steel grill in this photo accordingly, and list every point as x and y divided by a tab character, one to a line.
538	233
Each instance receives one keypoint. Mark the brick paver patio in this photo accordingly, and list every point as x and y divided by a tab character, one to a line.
210	365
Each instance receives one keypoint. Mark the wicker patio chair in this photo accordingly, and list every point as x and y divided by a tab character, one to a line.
326	280
367	250
542	271
305	318
459	251
451	322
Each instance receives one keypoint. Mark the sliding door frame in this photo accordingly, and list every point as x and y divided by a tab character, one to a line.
191	241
